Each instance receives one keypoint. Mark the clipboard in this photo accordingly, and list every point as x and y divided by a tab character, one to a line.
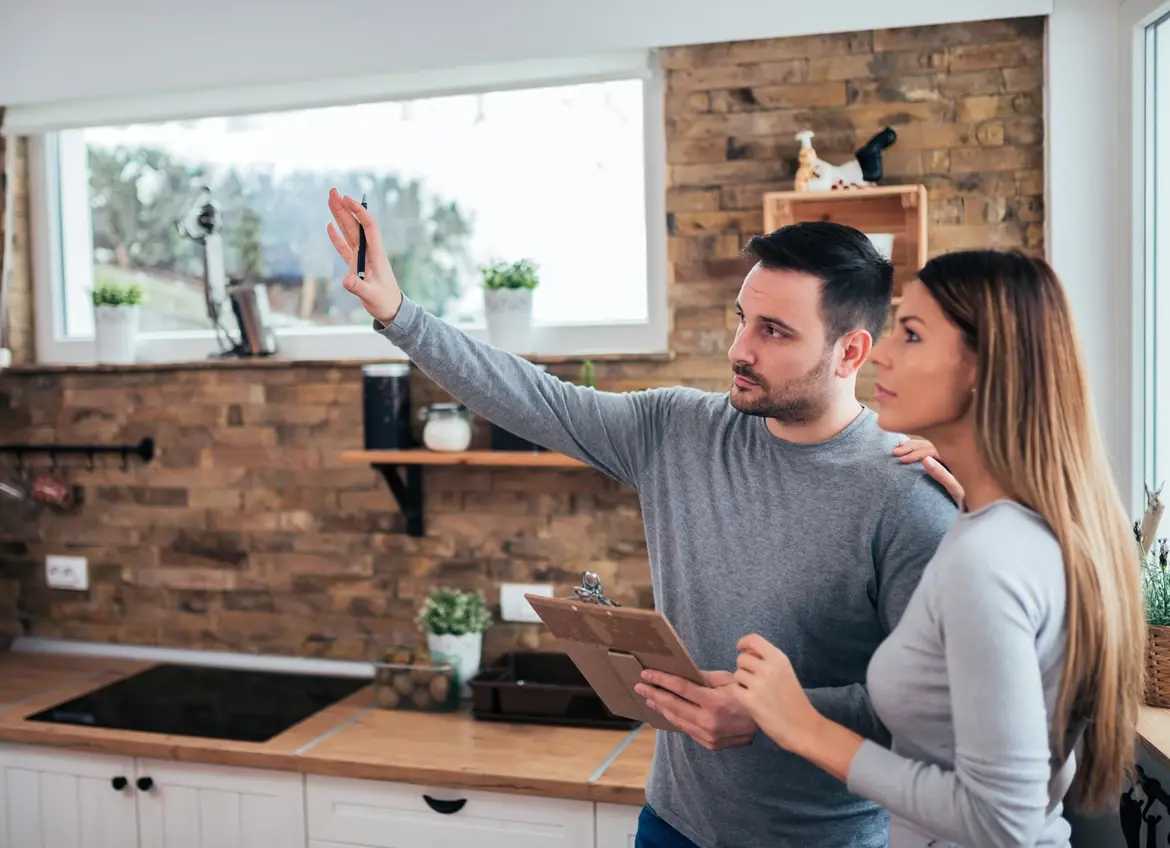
611	645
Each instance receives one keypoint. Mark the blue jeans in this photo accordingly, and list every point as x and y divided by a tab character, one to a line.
653	832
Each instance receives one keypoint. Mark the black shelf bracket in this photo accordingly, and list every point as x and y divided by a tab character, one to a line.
407	492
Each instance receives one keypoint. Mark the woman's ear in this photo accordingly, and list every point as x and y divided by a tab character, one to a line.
969	370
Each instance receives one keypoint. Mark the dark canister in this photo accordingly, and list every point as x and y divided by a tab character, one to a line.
386	406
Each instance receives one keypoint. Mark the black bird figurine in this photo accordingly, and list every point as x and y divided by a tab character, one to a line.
869	155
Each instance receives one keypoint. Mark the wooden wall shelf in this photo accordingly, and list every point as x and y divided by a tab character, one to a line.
899	210
506	459
407	488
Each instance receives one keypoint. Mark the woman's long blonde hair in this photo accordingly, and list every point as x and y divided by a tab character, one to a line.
1038	436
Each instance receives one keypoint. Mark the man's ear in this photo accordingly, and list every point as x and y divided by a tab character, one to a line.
855	347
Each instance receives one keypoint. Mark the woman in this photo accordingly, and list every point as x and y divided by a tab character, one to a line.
1026	632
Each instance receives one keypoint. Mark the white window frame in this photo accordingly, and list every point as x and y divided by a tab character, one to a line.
42	123
1148	430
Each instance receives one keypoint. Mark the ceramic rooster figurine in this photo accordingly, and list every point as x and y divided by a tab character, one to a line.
1151	518
864	169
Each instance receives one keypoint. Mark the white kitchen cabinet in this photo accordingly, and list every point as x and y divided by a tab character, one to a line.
188	805
57	798
617	825
379	814
62	799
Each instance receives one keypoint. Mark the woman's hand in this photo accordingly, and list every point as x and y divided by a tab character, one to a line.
378	292
768	688
915	450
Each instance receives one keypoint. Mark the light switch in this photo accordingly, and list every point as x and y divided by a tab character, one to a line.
514	606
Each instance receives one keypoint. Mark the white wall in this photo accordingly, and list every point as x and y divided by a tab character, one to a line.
69	50
1088	228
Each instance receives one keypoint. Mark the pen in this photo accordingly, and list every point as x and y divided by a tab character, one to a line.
361	261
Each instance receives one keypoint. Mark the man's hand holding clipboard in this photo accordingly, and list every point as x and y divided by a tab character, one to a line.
711	714
640	668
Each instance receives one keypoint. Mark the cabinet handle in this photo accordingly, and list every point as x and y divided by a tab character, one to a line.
119	783
144	784
444	807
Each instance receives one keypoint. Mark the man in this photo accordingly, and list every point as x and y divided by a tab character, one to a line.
776	507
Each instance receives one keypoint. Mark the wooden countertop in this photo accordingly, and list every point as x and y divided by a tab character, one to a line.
1154	731
629	767
349	739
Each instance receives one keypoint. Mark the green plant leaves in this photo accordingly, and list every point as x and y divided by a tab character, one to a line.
1155	568
114	294
449	612
511	275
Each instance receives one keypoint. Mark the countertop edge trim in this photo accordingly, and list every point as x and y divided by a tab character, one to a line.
614	754
312	743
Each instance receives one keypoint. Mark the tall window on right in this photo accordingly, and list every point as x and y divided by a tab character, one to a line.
1156	296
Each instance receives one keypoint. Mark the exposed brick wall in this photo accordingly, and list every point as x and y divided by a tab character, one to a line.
14	166
247	534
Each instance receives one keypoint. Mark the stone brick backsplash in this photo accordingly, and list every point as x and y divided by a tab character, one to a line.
247	532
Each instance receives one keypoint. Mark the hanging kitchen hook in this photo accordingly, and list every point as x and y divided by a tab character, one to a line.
144	451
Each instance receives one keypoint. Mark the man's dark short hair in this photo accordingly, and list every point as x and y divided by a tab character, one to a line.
858	281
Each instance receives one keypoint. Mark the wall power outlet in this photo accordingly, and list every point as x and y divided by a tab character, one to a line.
67	572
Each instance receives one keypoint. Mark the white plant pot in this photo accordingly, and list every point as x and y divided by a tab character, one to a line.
465	651
509	319
116	334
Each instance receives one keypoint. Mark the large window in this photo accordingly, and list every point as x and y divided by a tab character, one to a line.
1156	294
561	173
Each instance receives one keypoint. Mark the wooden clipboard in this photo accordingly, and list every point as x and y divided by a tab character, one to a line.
611	646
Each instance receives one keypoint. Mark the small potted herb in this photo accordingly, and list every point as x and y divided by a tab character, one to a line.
454	622
116	309
1154	562
507	294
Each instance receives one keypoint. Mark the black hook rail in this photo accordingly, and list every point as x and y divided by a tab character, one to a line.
144	450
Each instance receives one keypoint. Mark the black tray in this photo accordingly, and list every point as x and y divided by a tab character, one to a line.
540	687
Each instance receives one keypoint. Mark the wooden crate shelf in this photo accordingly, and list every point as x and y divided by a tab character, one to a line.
407	485
899	210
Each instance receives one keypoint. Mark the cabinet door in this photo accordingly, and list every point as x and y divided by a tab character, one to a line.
379	814
188	805
617	825
62	799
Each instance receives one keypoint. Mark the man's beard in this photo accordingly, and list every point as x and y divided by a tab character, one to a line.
801	400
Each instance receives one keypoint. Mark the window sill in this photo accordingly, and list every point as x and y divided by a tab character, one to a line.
277	362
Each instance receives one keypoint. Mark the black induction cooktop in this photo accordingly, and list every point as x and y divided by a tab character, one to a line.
218	703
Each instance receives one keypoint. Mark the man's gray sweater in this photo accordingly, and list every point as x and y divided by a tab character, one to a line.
816	547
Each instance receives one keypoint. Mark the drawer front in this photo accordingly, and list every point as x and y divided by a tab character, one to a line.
617	825
378	814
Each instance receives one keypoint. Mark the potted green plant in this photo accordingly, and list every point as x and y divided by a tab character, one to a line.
1154	562
507	294
116	316
453	622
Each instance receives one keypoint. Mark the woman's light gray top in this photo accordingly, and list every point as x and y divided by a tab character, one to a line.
967	685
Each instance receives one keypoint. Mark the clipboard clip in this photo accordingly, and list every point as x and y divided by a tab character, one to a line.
590	590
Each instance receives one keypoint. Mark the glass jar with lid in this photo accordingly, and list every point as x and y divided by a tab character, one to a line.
447	427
